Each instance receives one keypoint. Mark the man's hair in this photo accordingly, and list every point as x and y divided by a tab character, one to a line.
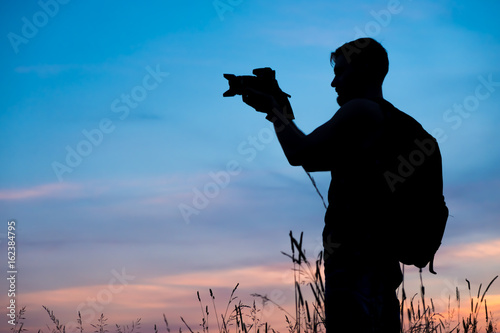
366	54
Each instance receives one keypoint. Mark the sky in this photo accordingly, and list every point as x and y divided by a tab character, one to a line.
134	184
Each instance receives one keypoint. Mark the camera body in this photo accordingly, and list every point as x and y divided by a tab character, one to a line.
263	80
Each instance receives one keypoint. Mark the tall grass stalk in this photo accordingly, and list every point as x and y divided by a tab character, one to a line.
418	314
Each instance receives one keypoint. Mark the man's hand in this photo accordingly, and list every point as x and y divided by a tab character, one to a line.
262	93
267	103
260	101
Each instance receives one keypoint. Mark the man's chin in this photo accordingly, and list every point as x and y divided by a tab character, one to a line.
341	100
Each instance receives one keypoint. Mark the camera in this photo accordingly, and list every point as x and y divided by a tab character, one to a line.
263	81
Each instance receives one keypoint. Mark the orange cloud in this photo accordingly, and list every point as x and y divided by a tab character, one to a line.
480	255
255	276
174	296
121	304
490	249
493	303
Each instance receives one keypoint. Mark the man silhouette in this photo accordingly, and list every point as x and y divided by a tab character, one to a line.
361	272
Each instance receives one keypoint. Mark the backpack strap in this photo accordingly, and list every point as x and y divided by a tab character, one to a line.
431	265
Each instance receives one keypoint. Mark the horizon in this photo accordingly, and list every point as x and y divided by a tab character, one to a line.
122	160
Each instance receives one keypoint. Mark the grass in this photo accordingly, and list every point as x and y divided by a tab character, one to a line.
418	314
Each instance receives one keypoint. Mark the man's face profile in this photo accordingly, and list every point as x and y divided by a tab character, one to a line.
344	81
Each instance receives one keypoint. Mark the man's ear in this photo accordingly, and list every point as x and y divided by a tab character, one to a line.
363	73
363	69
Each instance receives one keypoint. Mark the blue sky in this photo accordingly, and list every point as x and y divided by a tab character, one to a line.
144	81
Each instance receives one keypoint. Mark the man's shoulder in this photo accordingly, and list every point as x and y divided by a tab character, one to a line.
361	103
360	108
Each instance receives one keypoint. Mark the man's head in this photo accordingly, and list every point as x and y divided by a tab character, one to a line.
360	67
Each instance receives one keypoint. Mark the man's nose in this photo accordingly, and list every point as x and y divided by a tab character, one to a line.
334	82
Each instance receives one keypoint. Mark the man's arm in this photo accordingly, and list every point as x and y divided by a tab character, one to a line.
313	151
350	127
290	137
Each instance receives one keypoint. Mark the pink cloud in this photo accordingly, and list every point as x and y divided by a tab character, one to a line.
174	296
474	251
40	191
255	276
490	249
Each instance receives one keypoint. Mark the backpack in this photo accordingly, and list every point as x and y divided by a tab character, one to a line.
412	169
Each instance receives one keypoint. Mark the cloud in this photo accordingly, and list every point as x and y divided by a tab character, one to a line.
310	36
74	190
254	276
47	70
174	295
121	307
475	261
51	190
477	257
474	251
